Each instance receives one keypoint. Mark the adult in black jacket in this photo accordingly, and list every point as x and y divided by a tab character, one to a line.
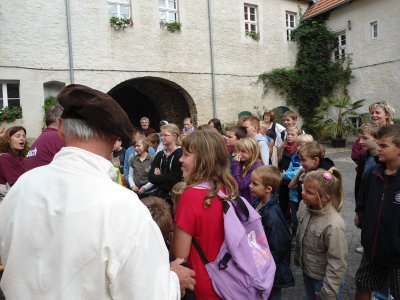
166	169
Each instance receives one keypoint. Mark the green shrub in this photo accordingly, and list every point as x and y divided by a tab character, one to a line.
49	101
315	74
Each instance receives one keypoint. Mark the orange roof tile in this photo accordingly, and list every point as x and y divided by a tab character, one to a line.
322	6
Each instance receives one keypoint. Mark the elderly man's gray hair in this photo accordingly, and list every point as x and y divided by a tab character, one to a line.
80	129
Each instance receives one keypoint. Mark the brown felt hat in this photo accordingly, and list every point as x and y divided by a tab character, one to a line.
98	109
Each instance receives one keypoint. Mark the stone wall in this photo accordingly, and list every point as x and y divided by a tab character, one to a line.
34	51
375	62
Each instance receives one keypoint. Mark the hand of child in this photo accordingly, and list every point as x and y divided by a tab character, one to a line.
141	190
185	275
237	157
157	171
318	295
134	188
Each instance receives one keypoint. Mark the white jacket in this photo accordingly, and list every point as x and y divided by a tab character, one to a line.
67	231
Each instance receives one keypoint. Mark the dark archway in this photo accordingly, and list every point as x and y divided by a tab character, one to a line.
156	98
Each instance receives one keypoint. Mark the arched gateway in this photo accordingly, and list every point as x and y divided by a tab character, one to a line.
156	98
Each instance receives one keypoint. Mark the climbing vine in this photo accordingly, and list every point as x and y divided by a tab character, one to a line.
315	74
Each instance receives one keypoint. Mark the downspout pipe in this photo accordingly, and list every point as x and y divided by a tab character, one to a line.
210	30
70	55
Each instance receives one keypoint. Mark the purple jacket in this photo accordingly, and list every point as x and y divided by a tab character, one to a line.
244	182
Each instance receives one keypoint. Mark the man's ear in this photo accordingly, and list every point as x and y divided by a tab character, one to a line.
60	128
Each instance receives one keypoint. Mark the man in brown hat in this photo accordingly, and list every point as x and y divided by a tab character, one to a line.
67	231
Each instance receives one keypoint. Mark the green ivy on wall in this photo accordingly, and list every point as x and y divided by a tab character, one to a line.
315	74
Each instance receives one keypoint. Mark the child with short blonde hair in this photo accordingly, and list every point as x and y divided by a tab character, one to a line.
367	134
321	237
252	125
265	181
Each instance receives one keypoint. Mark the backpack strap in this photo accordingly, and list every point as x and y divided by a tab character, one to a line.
222	264
201	253
242	213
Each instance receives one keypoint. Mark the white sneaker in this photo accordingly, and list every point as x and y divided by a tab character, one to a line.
360	249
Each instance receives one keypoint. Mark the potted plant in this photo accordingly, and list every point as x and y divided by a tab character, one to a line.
332	118
10	114
171	26
120	23
254	35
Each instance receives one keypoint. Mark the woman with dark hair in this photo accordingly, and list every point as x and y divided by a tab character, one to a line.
216	124
274	129
13	148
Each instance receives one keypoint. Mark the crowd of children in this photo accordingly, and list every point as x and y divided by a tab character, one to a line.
284	174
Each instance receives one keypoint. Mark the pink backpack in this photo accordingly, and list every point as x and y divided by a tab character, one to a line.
244	267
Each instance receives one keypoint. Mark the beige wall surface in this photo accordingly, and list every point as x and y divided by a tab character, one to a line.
375	62
34	51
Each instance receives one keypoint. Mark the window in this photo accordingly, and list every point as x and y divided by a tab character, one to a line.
290	25
374	30
340	51
119	8
9	94
168	10
250	18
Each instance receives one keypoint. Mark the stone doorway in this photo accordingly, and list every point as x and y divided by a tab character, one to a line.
156	98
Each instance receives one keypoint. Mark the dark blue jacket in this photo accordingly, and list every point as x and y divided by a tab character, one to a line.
279	240
378	210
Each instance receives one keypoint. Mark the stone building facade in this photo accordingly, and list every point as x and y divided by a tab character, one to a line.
206	70
367	32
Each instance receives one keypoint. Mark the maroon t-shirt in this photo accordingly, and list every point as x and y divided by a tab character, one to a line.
11	167
44	148
149	131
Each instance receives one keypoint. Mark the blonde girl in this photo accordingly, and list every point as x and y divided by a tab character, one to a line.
248	159
165	169
321	236
199	213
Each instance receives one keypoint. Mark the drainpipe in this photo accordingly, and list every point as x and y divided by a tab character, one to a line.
210	30
70	55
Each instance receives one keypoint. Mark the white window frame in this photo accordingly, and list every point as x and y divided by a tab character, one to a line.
289	26
3	86
168	10
374	30
248	22
340	50
119	4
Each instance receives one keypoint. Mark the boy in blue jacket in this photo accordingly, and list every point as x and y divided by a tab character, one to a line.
265	181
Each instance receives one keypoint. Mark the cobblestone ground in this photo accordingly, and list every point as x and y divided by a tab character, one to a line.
343	162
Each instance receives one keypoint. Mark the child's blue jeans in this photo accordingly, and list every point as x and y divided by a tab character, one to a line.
313	285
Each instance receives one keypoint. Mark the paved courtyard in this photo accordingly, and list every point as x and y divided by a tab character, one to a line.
343	162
